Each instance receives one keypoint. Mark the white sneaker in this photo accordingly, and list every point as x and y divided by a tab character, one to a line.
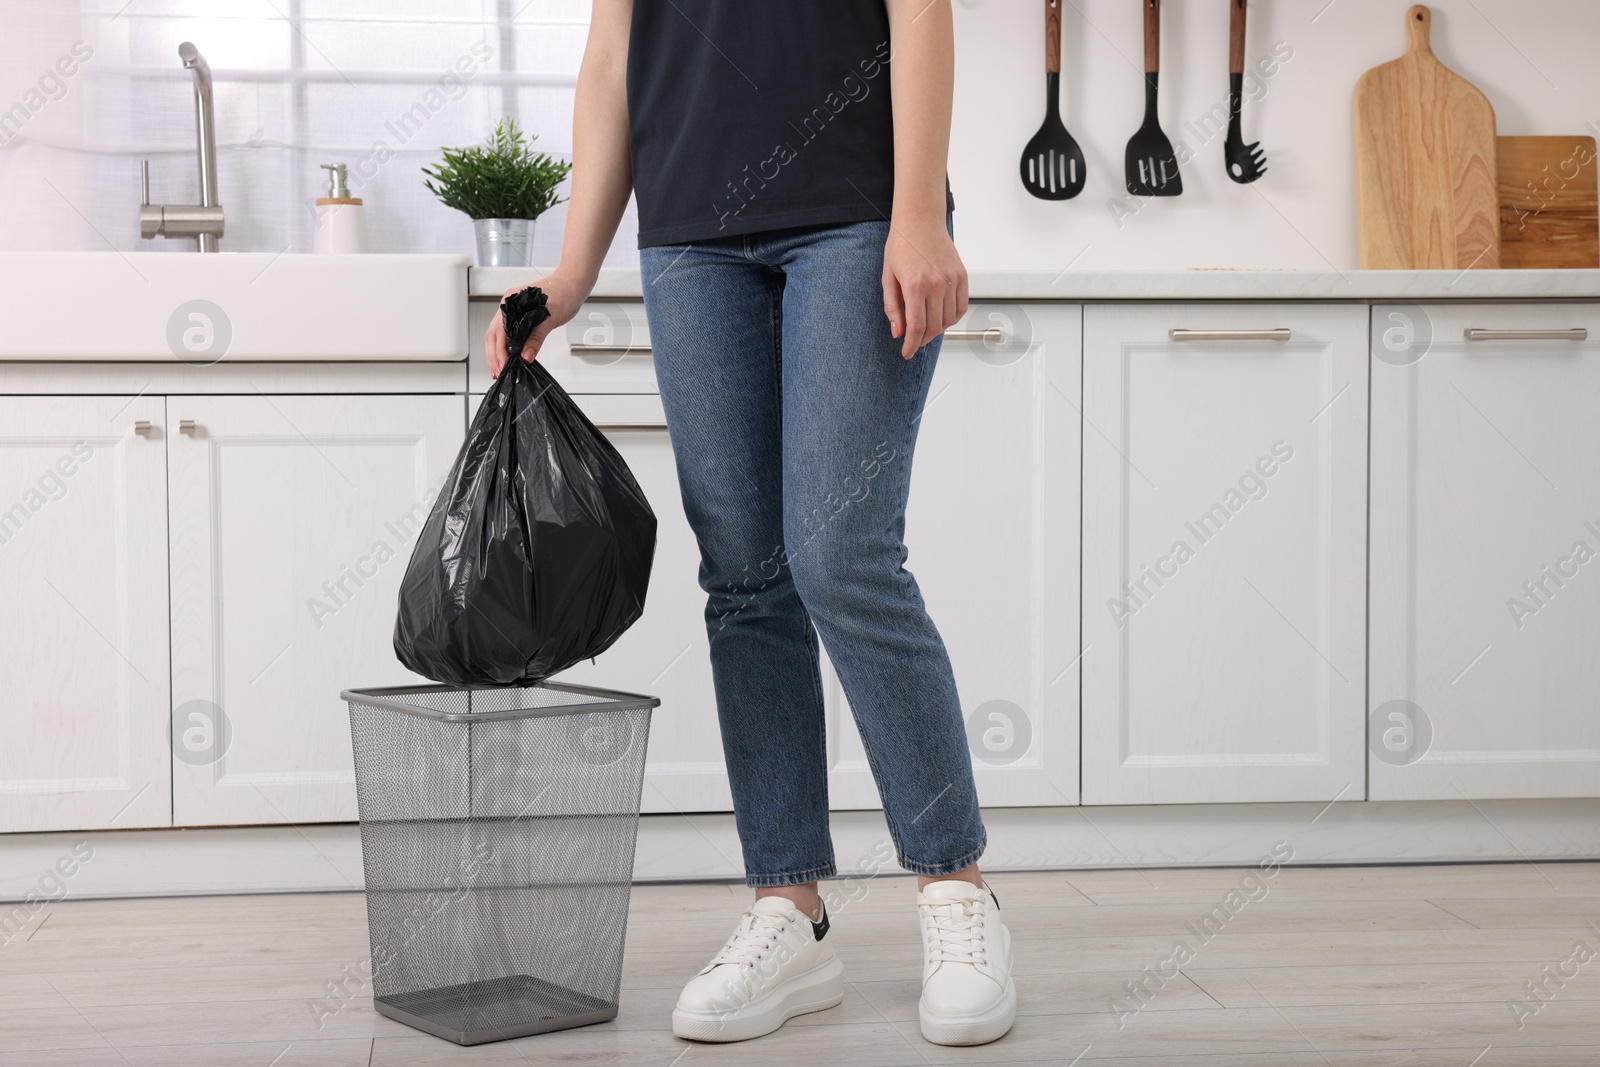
967	994
774	967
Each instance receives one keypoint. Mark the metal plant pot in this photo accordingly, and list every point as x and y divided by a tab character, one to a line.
504	242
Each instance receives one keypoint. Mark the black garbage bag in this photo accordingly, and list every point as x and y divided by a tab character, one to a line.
537	553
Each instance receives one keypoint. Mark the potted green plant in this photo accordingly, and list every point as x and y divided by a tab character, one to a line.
503	186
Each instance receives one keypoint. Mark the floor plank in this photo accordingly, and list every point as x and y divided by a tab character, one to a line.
1492	984
1177	885
1581	915
351	1053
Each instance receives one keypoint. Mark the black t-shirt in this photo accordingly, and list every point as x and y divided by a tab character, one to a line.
749	115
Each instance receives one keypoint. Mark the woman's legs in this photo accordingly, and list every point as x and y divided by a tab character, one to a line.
851	409
715	322
793	423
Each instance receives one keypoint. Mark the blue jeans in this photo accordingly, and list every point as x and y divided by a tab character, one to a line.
793	418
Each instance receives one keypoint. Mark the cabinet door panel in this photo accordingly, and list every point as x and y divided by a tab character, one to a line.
1485	530
83	630
1224	554
292	521
992	532
666	653
992	535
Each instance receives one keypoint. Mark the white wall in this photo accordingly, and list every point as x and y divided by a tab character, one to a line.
1537	60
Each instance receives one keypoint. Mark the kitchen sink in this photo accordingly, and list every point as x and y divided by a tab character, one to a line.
246	306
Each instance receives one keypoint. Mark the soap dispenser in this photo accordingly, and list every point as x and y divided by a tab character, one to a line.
340	226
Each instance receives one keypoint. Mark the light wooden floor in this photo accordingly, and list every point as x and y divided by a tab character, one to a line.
1343	967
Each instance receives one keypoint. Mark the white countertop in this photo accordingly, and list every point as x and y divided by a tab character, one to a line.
1073	285
147	306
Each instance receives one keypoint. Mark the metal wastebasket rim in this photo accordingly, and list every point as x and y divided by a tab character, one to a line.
386	698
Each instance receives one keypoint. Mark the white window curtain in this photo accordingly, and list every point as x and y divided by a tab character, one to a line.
88	88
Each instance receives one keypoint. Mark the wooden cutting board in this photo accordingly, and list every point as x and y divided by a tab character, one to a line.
1549	203
1426	189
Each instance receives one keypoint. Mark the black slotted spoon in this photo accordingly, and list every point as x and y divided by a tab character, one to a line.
1052	164
1152	165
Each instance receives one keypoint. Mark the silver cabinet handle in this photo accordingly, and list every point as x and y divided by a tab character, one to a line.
142	427
186	426
1579	334
581	350
628	427
1232	335
994	335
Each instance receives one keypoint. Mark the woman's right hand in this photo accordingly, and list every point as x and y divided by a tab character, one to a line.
563	298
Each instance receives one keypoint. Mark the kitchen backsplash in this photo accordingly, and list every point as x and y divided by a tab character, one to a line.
1535	59
381	93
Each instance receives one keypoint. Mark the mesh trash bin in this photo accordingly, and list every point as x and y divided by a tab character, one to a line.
497	831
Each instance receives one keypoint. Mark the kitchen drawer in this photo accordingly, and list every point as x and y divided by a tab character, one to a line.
1485	530
604	349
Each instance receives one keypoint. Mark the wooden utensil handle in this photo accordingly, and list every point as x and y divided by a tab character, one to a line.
1052	36
1419	20
1152	36
1236	38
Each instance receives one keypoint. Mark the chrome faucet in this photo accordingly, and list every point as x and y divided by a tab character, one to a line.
202	221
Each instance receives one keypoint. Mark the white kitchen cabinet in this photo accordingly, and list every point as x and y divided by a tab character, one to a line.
83	630
992	533
666	653
292	518
1485	680
1224	553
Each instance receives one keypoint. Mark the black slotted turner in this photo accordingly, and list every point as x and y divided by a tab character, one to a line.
1246	162
1152	165
1052	164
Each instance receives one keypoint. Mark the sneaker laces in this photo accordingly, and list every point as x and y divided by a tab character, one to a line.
755	936
954	931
